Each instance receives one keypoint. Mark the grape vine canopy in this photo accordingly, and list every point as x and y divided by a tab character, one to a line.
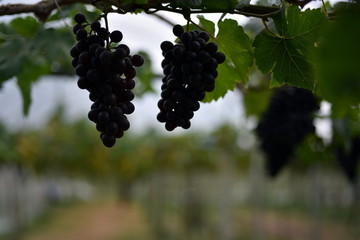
284	42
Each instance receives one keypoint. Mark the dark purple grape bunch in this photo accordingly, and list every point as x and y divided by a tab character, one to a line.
287	121
189	67
105	69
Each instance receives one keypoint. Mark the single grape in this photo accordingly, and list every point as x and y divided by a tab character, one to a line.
124	47
102	33
220	57
166	46
95	26
116	36
77	27
79	18
106	58
81	34
178	30
137	60
103	117
108	140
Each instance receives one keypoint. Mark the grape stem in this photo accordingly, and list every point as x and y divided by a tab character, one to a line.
200	27
270	32
324	7
107	28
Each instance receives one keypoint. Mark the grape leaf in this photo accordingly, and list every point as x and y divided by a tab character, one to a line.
31	72
237	47
256	101
43	44
11	59
141	1
26	27
36	57
337	61
219	5
208	25
287	54
91	14
186	3
205	4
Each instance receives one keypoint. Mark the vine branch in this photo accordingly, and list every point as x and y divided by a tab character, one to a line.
44	8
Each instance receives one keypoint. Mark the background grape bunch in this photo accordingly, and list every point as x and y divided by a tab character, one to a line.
189	67
348	158
287	121
106	69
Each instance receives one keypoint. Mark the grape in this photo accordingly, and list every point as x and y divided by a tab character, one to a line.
83	83
220	57
75	62
106	58
81	34
107	72
137	60
81	70
79	18
124	47
288	120
166	46
116	36
82	45
77	27
108	140
84	58
178	30
186	38
205	36
189	67
95	26
103	33
74	52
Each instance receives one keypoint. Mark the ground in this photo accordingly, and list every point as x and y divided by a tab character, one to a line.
111	219
100	220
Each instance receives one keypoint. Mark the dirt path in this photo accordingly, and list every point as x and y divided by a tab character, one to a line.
105	220
114	220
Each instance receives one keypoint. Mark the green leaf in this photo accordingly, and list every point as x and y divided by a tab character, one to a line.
186	3
208	25
205	4
145	75
26	27
236	45
69	11
337	61
141	1
219	5
44	44
256	102
11	58
32	71
223	83
286	55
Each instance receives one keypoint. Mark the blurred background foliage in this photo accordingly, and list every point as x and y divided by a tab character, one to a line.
189	186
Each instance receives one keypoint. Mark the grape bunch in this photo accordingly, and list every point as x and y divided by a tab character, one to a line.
105	69
348	158
189	67
288	120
